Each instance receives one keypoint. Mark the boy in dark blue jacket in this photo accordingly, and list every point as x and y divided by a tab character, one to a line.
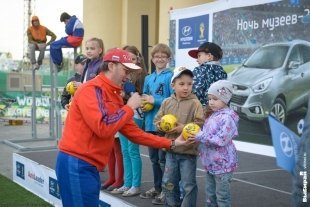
209	70
79	63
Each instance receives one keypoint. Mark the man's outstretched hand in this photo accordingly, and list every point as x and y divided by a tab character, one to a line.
180	141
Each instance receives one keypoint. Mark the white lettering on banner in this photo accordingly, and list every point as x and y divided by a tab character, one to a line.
305	181
270	23
304	188
27	101
19	112
42	113
26	112
186	38
20	101
245	25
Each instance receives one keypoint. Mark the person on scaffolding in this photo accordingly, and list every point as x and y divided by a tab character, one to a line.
37	40
75	31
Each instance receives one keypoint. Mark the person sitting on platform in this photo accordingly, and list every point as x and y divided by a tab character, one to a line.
75	30
37	41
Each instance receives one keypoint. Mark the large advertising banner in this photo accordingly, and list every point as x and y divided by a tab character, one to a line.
41	180
193	31
266	56
36	178
20	107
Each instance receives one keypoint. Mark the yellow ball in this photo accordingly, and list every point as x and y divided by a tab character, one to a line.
148	106
190	129
167	122
70	88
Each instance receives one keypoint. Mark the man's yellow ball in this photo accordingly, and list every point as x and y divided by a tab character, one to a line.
148	106
70	88
167	122
190	129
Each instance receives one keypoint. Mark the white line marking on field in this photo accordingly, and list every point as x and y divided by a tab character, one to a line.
257	171
262	186
253	148
247	182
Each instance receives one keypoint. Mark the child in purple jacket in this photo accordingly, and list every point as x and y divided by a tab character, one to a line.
94	49
216	149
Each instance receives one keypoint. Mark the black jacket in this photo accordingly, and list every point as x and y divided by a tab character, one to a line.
65	96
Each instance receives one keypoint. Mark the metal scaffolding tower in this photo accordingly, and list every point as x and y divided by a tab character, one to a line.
29	8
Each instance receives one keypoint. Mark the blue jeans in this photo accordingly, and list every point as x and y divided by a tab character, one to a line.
79	181
157	157
132	160
180	168
218	190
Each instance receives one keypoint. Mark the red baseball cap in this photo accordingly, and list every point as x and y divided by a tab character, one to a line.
120	56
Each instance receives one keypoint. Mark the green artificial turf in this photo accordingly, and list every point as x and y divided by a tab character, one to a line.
13	195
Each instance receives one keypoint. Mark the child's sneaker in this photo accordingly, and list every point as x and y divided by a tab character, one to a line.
35	66
152	193
120	190
159	200
133	191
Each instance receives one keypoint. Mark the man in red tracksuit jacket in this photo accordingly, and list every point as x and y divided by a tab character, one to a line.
97	112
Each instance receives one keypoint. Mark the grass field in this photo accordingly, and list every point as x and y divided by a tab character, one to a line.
13	195
229	68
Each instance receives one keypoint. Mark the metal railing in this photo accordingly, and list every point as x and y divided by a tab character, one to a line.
55	122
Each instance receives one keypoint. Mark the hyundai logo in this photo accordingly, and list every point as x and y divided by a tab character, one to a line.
187	30
286	144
